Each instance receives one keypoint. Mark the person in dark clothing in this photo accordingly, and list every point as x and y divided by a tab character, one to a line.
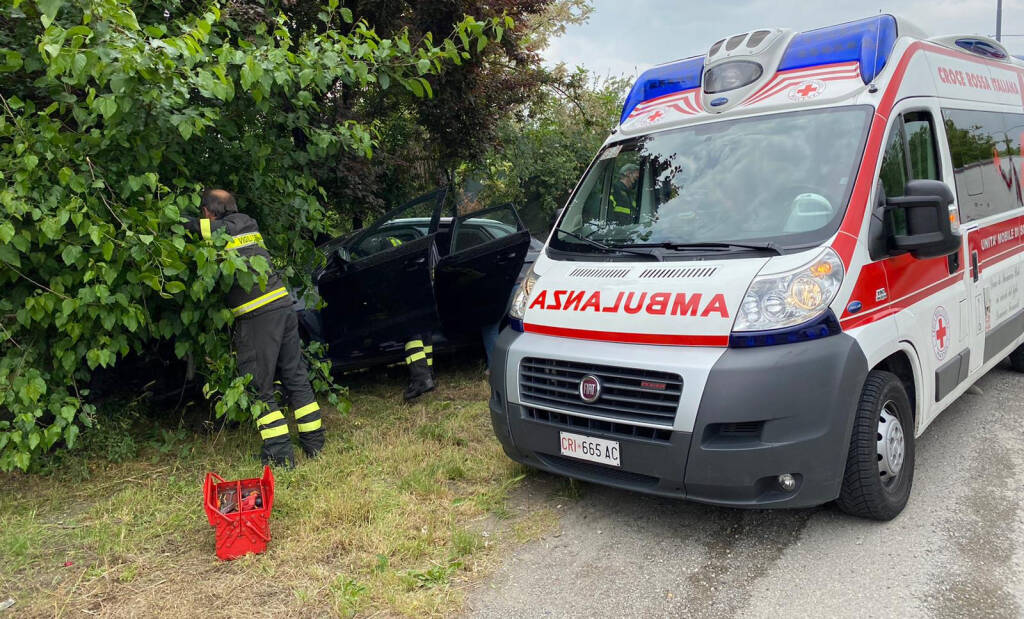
266	335
622	200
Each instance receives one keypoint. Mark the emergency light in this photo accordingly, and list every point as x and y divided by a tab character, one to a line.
867	41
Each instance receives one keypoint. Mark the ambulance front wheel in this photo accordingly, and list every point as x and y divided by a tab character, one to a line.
1017	358
880	463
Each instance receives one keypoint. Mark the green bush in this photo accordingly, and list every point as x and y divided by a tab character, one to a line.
113	115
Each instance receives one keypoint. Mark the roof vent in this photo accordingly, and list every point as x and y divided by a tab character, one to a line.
975	44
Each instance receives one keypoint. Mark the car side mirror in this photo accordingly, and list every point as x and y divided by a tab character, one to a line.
920	221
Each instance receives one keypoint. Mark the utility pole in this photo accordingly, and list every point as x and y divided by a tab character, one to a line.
999	20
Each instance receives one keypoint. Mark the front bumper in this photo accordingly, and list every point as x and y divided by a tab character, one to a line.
761	412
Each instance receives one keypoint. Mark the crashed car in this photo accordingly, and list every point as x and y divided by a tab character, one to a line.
415	271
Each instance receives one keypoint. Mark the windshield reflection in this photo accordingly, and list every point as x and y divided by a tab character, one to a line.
784	178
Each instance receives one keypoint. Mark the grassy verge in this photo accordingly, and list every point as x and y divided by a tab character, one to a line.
401	512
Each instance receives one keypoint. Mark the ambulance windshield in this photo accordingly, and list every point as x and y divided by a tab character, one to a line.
782	179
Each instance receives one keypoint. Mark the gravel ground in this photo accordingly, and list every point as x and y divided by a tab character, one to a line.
954	552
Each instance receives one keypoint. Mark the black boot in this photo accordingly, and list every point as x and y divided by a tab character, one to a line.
429	350
312	442
420	381
278	453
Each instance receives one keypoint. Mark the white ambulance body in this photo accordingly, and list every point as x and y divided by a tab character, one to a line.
790	256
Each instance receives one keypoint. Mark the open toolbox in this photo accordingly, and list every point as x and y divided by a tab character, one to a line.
239	511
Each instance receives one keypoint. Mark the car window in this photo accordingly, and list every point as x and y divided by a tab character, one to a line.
470	235
383	239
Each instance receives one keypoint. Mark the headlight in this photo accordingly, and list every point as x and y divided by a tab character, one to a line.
786	299
518	309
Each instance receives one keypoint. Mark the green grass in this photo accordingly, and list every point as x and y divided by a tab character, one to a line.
389	520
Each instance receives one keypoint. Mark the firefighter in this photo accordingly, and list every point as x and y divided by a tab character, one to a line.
266	335
419	357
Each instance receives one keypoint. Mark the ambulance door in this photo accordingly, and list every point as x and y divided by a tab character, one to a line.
475	279
378	287
929	295
985	154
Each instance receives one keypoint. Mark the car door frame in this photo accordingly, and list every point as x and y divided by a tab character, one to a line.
468	293
381	299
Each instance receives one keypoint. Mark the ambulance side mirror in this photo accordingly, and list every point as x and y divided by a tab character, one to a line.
920	221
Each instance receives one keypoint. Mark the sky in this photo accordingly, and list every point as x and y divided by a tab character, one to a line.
624	37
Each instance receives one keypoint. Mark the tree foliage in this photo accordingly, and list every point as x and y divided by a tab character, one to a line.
539	155
113	115
423	140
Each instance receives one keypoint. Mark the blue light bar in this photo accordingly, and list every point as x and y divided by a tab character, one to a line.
664	80
868	41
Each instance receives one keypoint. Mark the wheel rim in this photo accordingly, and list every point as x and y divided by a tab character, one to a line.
891	444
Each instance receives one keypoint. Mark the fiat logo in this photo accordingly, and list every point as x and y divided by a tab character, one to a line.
590	388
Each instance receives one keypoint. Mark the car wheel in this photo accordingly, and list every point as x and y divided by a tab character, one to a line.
880	463
1017	358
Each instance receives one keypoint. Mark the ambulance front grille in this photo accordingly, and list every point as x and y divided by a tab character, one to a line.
576	423
627	394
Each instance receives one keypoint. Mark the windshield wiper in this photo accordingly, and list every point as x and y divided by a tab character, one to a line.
609	248
769	246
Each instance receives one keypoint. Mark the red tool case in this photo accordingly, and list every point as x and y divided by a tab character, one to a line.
247	528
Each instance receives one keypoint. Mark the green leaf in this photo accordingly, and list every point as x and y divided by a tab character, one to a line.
481	43
185	128
70	254
174	287
346	14
422	65
49	8
70	434
6	232
108	250
12	61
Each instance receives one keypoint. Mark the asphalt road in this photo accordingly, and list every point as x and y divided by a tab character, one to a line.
956	551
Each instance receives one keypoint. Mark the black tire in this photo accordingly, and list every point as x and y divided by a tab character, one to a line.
866	492
1017	358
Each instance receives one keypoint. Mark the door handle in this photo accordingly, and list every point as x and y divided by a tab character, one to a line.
506	257
975	271
414	263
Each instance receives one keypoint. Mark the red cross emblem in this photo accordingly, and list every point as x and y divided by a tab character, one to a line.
656	115
940	333
807	90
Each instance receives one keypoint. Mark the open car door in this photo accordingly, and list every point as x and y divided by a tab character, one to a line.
378	286
475	279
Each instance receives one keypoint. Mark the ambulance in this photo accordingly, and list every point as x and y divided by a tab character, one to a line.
790	256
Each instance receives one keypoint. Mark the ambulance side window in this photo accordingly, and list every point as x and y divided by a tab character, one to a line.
984	166
924	162
909	155
894	162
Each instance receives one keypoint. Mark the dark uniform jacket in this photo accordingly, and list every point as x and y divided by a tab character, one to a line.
247	241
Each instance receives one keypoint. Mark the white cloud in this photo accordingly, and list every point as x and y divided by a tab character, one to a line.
628	36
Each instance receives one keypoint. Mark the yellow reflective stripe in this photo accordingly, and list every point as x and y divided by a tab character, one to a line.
428	349
309	427
307	409
260	301
415	357
414	344
272	432
270	418
204	228
621	209
394	242
430	361
245	240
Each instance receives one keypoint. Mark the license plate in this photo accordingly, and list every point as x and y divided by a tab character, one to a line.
590	448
